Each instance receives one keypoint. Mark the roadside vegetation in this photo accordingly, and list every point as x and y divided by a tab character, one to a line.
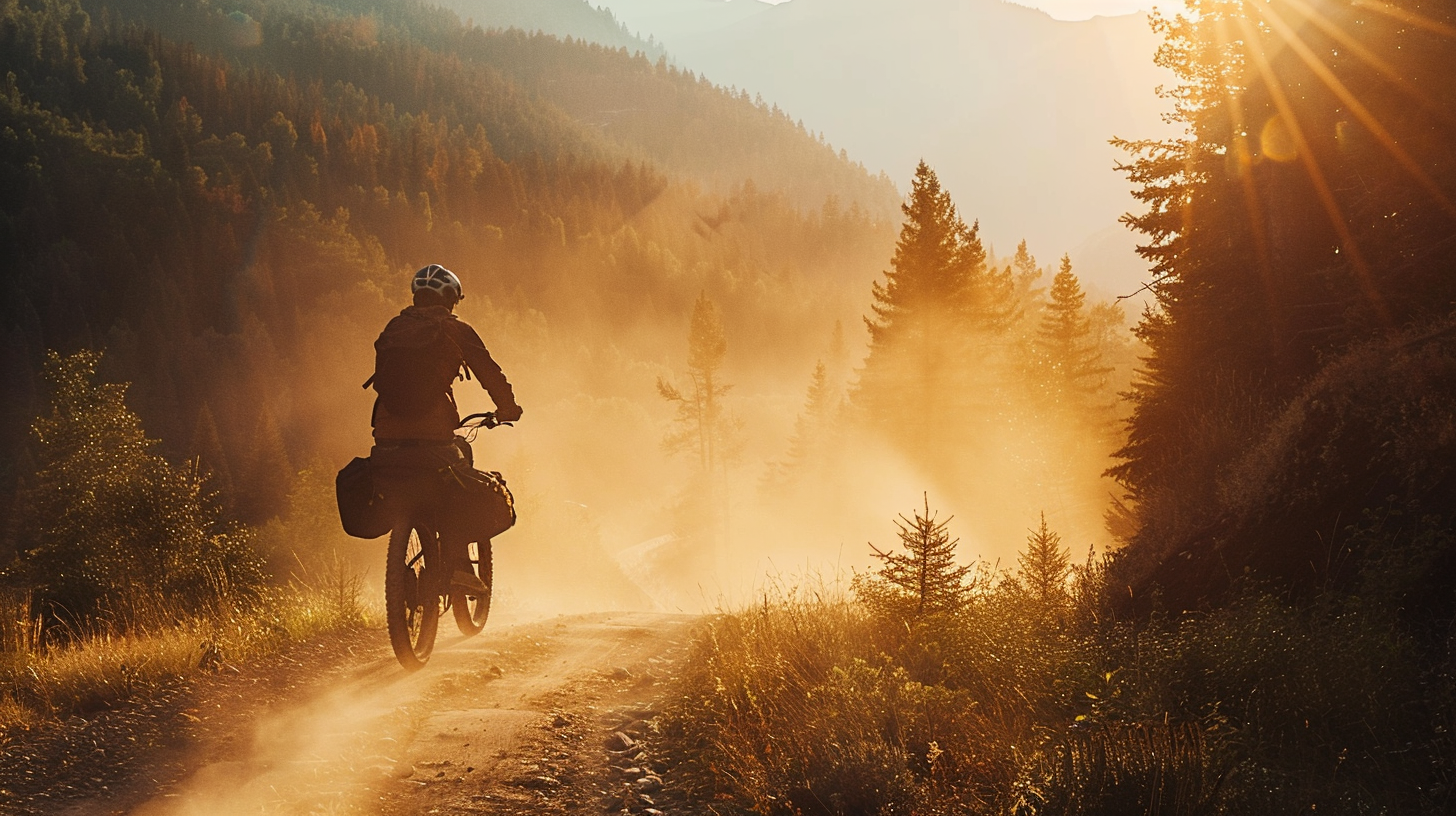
131	577
1013	691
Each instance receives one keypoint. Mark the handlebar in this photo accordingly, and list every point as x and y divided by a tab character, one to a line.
485	420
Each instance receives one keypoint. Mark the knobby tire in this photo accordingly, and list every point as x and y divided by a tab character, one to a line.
471	612
412	606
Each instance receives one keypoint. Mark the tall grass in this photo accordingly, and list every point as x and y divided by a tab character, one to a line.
820	703
45	678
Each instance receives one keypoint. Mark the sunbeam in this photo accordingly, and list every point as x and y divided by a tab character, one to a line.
1370	58
1291	38
1406	16
1316	175
1243	163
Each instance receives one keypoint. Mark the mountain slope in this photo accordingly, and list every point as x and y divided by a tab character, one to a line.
1012	108
228	204
563	18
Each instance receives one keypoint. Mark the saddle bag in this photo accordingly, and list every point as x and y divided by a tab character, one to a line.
361	504
480	506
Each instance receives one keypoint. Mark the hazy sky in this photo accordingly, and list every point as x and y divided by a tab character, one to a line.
1060	9
1014	110
1083	9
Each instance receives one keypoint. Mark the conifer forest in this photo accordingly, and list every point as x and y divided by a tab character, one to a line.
959	531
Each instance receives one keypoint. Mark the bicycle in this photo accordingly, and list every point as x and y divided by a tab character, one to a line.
417	579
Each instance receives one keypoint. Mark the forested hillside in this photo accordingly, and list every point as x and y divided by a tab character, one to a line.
563	18
226	200
1299	390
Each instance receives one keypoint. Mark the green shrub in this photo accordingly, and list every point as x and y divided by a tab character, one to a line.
111	534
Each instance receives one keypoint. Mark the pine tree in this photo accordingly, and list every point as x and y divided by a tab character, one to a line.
701	424
925	368
807	445
269	476
1279	229
1025	273
1069	355
206	449
1043	568
930	282
925	576
1023	263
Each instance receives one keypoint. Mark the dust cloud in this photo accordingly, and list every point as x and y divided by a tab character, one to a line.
609	519
603	523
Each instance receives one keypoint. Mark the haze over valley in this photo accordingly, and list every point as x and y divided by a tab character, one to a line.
1013	108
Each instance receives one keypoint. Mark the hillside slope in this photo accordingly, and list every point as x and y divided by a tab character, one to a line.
228	203
1012	108
563	18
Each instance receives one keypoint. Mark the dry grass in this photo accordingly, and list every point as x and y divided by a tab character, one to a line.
815	703
87	671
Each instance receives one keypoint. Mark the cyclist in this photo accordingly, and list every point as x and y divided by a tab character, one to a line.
418	356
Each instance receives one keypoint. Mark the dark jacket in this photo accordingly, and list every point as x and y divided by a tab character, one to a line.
440	418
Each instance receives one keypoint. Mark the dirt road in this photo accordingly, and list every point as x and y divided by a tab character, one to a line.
515	720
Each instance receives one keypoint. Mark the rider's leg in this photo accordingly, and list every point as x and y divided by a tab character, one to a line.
456	552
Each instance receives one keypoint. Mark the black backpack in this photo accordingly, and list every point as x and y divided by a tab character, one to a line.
415	360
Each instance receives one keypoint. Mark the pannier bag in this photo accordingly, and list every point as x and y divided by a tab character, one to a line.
479	504
361	505
468	503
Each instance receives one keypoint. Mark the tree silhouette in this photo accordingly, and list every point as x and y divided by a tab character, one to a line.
269	473
922	367
701	426
206	449
812	430
1070	356
931	281
1271	250
1023	263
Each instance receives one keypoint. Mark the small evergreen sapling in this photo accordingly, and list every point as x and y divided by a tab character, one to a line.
1044	567
925	576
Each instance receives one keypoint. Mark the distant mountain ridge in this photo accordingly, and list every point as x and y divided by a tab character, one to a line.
1013	108
562	18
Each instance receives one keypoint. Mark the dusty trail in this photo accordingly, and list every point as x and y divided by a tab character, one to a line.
511	721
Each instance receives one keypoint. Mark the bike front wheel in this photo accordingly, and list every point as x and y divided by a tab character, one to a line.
412	603
471	610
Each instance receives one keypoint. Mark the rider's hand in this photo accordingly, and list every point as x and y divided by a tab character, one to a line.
509	413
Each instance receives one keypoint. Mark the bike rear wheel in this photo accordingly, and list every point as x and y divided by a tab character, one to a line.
471	611
412	603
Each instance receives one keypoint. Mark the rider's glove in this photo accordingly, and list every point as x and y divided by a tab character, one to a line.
508	413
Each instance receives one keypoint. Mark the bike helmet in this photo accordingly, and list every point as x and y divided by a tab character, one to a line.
440	280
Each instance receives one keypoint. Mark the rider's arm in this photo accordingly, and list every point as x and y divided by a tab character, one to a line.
485	369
